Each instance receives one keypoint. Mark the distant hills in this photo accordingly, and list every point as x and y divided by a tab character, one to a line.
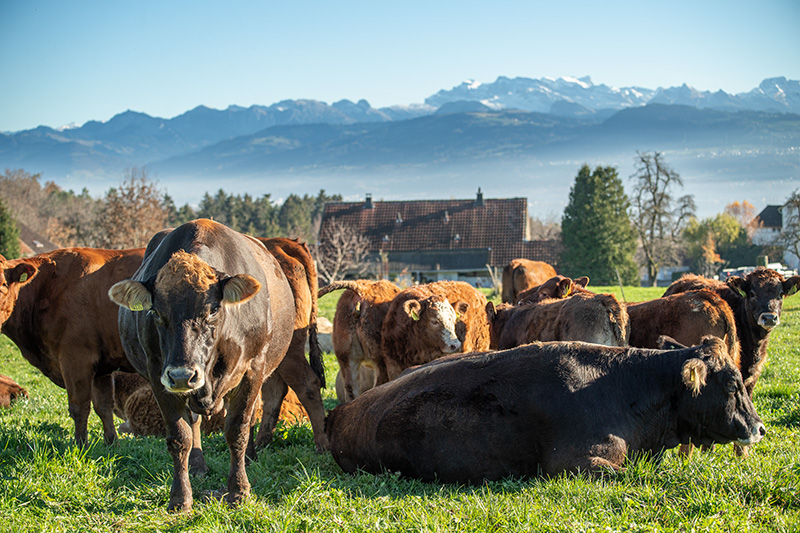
515	137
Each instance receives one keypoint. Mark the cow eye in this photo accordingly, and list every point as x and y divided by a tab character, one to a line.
731	386
156	316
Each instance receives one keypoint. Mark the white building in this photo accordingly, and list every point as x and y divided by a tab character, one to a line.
773	219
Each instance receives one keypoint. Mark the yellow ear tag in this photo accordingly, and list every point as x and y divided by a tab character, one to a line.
136	307
414	316
23	277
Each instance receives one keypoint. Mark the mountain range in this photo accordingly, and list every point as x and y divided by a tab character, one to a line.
517	136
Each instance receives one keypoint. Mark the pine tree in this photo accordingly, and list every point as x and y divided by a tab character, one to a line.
9	233
599	239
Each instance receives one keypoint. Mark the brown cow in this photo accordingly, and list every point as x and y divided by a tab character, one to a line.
522	274
63	323
543	409
428	321
756	301
357	328
206	318
555	287
10	390
294	370
588	317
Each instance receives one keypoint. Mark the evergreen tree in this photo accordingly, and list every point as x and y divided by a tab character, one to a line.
598	236
9	233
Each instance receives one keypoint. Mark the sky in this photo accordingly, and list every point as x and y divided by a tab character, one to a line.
70	62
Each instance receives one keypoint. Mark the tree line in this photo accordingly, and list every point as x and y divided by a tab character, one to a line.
128	215
609	235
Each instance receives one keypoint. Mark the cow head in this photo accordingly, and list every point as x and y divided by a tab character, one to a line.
714	405
763	291
14	277
497	318
435	320
556	287
187	303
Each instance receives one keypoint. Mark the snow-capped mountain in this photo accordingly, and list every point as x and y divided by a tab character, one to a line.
547	95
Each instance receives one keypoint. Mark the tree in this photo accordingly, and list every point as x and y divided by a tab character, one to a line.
341	250
714	242
789	239
599	240
547	229
9	233
659	219
745	214
133	212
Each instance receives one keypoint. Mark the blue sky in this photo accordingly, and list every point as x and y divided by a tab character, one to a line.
67	62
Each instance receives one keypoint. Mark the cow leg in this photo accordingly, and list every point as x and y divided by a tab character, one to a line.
296	371
237	435
197	461
79	398
178	421
273	391
103	401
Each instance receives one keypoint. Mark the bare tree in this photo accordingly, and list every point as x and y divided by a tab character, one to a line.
546	229
789	239
659	218
133	212
745	213
341	250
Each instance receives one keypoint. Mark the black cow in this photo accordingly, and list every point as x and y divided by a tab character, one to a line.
756	301
209	314
543	409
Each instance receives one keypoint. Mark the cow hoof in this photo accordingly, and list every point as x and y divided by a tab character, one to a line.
180	507
236	499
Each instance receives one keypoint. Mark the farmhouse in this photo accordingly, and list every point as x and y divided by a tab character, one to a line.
433	240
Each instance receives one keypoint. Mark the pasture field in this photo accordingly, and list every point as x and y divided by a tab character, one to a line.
46	484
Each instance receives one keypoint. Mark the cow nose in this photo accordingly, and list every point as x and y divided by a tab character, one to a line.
762	430
183	378
769	320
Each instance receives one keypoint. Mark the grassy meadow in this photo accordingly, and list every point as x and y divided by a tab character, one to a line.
46	484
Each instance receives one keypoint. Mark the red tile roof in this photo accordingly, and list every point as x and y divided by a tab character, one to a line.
496	225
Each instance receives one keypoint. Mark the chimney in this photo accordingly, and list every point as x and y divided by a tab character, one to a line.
368	201
479	199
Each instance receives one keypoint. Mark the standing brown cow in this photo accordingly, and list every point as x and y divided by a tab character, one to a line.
756	301
357	329
55	308
522	274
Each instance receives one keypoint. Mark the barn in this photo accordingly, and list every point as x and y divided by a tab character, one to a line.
432	240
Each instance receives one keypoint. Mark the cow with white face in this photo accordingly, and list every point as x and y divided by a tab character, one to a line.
419	327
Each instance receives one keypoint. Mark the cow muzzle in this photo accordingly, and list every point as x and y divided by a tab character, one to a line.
768	320
182	379
758	432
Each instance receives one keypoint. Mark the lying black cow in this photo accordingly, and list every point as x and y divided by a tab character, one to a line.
208	314
543	409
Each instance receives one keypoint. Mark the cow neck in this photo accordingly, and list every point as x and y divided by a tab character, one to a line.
753	338
654	409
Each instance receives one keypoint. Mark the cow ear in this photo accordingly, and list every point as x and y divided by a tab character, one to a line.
491	313
131	295
582	281
22	273
461	309
412	308
239	289
665	342
564	288
694	375
739	285
791	286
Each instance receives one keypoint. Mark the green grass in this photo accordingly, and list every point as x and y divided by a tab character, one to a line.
46	484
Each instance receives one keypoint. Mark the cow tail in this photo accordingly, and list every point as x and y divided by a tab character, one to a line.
619	320
339	285
314	351
732	340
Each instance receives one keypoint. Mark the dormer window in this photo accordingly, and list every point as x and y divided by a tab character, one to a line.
385	238
446	217
398	220
457	238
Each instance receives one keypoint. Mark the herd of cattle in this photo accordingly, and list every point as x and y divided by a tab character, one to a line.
206	329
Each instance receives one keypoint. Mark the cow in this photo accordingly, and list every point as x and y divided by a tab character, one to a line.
55	309
522	274
207	317
357	327
556	287
294	371
756	301
543	409
366	377
588	317
135	403
431	320
10	390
